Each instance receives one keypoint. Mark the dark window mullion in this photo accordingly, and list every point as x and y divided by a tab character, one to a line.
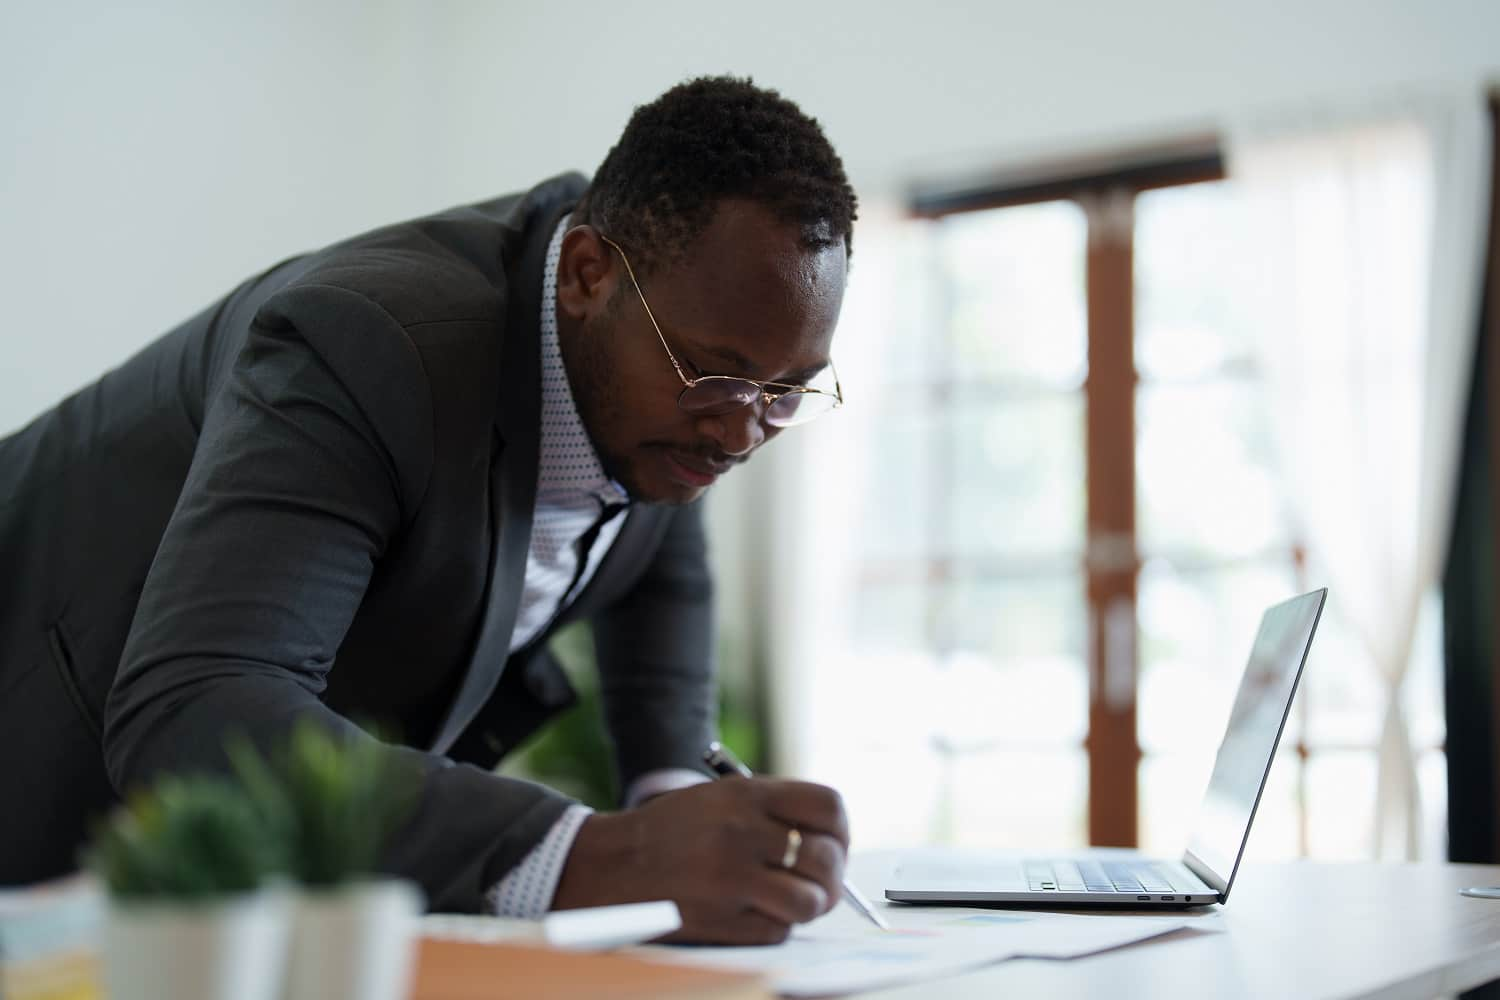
1112	552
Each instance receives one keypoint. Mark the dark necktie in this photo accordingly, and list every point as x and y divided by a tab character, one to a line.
584	546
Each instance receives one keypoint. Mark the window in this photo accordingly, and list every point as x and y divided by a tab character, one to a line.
1066	524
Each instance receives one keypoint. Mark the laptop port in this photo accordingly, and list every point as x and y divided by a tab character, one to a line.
1144	899
1169	899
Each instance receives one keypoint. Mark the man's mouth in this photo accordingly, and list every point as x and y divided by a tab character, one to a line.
694	470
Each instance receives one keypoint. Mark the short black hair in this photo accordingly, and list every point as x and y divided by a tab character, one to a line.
712	138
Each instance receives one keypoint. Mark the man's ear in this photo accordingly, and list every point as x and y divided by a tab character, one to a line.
586	274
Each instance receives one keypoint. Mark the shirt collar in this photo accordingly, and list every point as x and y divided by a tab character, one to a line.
568	464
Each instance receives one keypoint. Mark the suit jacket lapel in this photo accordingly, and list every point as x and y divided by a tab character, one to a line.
513	470
638	538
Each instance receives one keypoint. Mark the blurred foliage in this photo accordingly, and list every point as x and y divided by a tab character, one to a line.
189	839
320	809
328	801
572	753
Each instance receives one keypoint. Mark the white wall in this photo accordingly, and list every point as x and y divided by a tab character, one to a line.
151	158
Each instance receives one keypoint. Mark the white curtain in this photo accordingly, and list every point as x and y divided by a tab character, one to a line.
1369	233
824	474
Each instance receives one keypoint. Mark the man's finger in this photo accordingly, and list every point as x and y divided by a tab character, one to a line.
739	925
819	859
754	927
787	897
808	807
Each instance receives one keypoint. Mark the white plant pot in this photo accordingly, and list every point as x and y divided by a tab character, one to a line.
232	949
354	942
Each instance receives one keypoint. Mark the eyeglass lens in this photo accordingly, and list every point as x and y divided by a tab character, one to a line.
715	396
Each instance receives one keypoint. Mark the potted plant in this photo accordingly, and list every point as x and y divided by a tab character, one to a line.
332	804
190	914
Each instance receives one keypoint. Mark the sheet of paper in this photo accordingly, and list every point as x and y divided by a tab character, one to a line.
842	953
595	928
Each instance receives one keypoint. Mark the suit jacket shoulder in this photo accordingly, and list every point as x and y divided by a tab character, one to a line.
454	266
413	320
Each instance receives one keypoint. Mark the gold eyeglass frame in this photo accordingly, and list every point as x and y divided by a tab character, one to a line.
767	398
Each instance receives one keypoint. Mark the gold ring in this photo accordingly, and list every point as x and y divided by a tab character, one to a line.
793	846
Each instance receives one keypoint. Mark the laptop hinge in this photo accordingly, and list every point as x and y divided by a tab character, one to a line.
1210	878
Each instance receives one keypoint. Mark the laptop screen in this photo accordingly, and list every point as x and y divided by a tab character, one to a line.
1255	723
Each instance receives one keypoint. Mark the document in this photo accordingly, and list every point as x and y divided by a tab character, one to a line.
594	928
841	953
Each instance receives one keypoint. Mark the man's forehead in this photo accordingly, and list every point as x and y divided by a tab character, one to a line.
742	221
737	363
751	298
747	247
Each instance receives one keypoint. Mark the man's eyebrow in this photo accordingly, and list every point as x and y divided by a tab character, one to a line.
743	364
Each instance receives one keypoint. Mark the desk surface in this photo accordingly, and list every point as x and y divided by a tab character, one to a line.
1295	930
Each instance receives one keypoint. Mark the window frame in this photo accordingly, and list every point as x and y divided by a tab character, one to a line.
1105	189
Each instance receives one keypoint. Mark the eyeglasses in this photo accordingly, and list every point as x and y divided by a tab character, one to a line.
714	395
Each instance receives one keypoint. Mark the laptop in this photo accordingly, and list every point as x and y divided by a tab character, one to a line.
1205	872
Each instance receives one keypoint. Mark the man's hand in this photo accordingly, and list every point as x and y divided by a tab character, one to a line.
716	851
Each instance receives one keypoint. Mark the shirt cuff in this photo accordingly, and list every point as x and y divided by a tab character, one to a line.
527	889
654	783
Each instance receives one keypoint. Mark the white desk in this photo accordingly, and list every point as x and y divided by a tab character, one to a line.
1296	930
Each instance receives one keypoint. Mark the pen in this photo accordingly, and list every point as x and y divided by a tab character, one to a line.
724	763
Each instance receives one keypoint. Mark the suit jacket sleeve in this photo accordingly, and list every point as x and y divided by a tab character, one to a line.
313	455
655	653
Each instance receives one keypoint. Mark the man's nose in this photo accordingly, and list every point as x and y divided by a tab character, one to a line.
738	432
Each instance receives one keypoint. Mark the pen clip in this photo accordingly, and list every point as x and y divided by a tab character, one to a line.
722	761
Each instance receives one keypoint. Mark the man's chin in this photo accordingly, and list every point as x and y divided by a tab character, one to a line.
660	478
665	492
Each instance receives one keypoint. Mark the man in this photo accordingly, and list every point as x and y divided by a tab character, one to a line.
372	481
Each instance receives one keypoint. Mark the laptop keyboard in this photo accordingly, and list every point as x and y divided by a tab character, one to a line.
1092	876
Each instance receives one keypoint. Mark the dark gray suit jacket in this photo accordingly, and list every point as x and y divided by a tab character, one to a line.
315	499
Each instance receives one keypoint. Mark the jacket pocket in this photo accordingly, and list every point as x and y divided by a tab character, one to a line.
62	659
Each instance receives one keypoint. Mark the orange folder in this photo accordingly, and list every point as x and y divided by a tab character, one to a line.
462	970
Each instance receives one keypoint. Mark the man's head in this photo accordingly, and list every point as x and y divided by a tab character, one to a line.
735	217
